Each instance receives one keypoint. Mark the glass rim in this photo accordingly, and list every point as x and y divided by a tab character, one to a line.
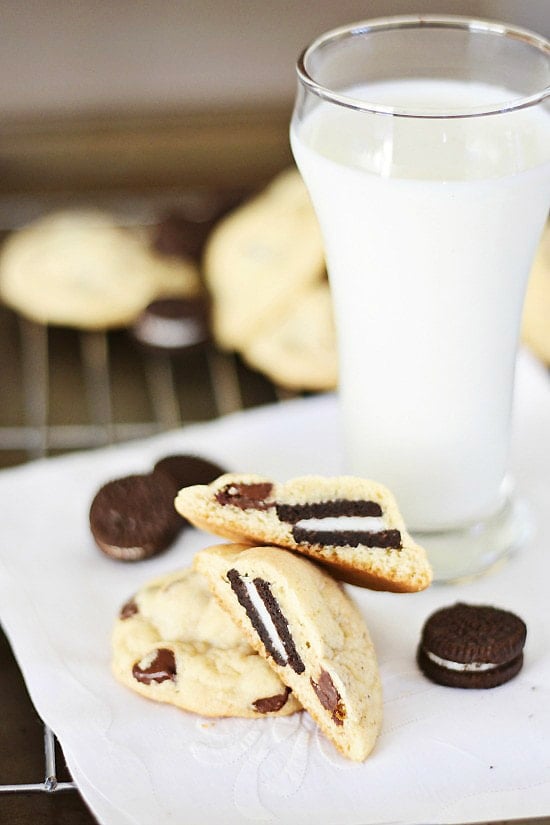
440	21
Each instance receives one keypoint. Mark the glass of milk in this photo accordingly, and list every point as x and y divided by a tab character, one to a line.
424	142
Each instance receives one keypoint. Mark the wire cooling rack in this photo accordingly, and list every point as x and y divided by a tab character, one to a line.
63	390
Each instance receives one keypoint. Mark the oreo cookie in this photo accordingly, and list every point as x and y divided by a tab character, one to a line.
132	518
186	470
173	324
471	646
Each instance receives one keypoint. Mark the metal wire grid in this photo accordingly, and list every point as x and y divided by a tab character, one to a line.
36	436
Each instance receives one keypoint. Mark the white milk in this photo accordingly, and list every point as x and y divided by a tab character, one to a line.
430	228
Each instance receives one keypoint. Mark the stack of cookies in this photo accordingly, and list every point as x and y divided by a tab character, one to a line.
536	310
265	271
256	627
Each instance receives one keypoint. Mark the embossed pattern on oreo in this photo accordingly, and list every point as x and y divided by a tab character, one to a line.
132	518
471	646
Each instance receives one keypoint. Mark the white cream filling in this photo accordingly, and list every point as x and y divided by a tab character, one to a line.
339	524
265	618
168	332
463	667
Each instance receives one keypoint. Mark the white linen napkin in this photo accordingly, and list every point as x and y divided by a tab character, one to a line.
444	756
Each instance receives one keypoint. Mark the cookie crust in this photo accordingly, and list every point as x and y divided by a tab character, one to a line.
172	643
381	562
318	642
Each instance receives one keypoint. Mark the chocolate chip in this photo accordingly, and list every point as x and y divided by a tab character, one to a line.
291	513
129	609
246	496
270	704
162	668
329	697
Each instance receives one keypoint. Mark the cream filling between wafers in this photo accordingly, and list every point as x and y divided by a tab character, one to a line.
463	667
336	524
265	618
168	332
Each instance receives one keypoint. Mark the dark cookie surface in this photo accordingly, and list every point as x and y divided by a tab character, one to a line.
475	646
187	470
335	509
132	518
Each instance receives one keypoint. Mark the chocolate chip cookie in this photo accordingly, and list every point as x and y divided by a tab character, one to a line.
309	631
78	268
173	643
351	525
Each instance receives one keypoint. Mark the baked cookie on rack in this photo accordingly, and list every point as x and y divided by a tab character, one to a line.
78	268
260	259
298	351
351	525
173	643
303	623
536	310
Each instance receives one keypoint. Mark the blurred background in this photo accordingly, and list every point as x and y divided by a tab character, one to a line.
104	94
61	58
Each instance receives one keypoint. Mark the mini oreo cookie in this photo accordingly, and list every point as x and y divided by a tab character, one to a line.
471	646
187	470
173	324
132	518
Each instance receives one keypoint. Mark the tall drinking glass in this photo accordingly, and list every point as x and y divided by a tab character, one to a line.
425	145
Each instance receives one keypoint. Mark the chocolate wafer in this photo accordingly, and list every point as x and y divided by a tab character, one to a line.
132	518
472	646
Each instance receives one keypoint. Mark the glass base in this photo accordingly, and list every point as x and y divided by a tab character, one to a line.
459	555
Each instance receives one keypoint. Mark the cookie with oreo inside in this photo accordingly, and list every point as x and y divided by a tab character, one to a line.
310	632
173	643
351	525
471	646
79	268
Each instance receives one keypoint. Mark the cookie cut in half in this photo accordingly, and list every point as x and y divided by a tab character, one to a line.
351	525
173	643
471	646
310	632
